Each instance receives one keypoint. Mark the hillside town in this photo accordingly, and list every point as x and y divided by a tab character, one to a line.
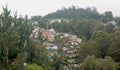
68	48
71	38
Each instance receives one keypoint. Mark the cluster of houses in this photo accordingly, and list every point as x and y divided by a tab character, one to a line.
58	20
70	51
44	33
50	34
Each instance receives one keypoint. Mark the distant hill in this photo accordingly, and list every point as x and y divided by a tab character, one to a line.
81	13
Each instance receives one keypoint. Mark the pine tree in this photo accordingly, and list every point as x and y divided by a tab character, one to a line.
7	35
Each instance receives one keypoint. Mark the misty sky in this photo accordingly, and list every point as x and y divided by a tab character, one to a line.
43	7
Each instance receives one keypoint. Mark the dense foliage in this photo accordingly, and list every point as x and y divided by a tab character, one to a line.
81	13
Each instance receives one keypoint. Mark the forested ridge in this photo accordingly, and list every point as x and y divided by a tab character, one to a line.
81	13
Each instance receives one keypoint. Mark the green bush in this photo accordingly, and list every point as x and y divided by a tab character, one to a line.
33	67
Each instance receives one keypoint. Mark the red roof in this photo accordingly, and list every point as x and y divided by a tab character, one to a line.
46	33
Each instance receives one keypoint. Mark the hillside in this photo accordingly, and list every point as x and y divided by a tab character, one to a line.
81	13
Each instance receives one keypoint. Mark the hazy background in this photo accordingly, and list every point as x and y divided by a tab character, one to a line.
43	7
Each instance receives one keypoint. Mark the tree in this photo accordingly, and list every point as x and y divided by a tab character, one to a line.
107	16
118	23
103	41
93	63
109	28
105	64
14	33
8	35
85	27
87	49
88	63
114	50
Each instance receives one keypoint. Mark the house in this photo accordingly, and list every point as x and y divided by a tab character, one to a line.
73	36
54	47
48	46
65	48
57	20
35	32
66	35
48	34
51	46
52	30
75	41
112	22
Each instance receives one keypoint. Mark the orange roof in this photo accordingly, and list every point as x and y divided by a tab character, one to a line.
46	33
